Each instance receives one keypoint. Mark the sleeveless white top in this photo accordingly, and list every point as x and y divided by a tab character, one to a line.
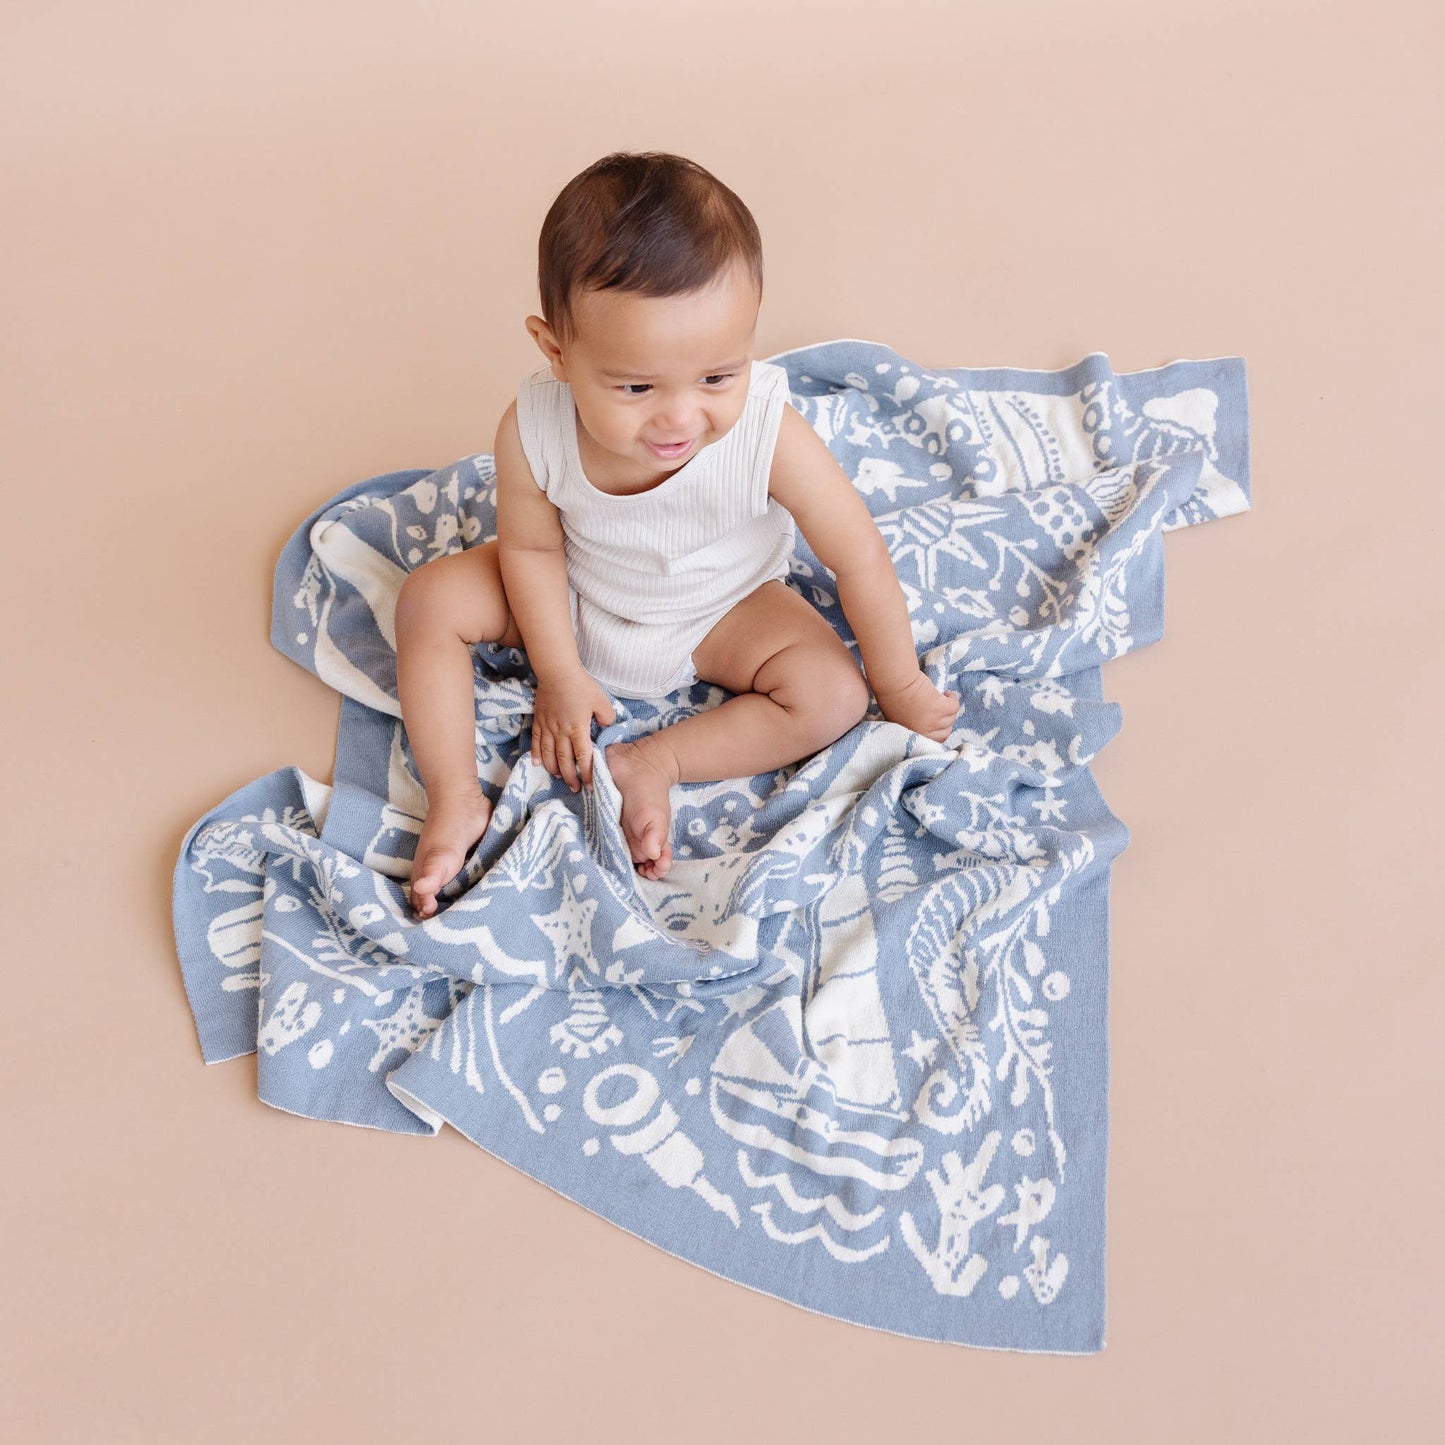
672	560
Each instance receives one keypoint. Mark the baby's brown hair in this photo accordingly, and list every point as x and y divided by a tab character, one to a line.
646	222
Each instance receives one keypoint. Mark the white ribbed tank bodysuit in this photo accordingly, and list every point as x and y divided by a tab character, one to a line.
650	573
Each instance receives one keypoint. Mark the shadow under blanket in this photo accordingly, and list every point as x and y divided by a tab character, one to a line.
852	1051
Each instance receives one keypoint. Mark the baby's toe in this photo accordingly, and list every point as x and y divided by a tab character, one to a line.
435	867
657	853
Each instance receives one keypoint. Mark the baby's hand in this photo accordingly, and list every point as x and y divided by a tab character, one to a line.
562	724
920	706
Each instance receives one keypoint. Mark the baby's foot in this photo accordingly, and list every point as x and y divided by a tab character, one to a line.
643	776
453	824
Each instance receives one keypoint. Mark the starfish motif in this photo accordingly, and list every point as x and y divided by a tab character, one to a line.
921	1050
569	928
408	1028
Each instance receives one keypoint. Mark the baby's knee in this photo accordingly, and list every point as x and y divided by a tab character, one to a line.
419	598
851	694
459	595
832	692
433	601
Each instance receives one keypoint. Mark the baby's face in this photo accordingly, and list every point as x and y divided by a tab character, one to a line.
649	371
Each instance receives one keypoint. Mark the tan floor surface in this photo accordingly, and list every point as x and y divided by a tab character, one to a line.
253	253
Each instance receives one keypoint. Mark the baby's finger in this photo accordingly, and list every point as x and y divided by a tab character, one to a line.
549	753
583	749
566	762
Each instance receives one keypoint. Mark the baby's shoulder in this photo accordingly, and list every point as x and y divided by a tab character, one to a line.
768	380
539	397
507	426
509	450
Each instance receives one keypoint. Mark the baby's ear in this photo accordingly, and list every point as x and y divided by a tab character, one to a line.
542	334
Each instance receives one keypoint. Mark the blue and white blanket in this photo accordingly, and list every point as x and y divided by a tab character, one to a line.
852	1052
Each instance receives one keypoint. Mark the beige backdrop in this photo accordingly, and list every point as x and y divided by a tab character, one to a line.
256	252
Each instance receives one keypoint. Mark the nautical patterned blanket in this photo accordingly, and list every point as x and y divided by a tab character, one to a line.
852	1052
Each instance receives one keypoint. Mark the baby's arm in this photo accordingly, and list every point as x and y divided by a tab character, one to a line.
534	575
835	521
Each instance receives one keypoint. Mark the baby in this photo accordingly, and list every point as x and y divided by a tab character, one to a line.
648	481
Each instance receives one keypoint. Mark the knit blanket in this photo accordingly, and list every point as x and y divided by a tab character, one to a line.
852	1051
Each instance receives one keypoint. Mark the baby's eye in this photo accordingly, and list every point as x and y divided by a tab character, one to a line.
636	388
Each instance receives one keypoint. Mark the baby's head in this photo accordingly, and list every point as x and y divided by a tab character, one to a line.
651	275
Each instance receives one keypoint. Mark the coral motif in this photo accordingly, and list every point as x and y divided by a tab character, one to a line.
963	1202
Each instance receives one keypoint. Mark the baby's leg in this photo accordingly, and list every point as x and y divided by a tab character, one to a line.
445	606
799	690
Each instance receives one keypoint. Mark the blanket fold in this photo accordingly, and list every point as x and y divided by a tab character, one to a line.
853	1050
